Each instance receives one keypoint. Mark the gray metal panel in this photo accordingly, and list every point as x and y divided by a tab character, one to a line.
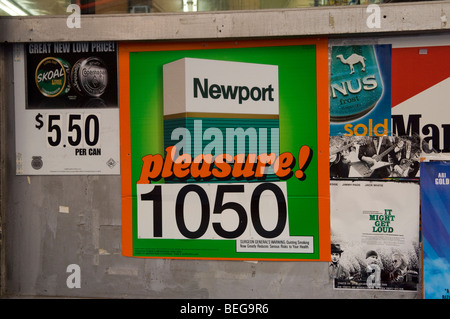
315	21
40	242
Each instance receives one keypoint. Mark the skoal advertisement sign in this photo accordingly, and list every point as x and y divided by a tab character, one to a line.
66	108
224	151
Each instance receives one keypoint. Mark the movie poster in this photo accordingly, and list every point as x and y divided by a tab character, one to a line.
375	235
66	108
435	195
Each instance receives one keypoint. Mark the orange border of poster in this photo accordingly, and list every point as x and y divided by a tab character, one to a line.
322	130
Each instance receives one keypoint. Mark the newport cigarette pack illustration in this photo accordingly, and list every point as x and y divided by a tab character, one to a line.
221	108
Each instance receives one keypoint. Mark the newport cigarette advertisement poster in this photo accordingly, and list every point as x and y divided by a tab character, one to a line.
224	149
435	194
375	234
66	108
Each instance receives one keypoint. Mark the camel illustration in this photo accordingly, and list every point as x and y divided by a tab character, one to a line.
351	60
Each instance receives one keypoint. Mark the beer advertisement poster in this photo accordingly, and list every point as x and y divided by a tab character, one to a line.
360	90
435	195
224	150
66	108
375	235
420	95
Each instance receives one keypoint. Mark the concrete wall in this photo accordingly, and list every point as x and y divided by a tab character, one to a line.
39	241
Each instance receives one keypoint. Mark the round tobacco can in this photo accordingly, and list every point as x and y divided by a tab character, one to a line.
89	77
51	77
355	82
74	77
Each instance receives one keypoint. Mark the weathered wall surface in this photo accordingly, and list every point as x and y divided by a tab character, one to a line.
52	222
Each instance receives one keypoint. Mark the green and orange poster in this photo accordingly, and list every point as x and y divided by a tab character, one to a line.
224	150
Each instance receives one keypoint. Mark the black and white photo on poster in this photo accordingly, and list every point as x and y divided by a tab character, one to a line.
375	235
374	157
